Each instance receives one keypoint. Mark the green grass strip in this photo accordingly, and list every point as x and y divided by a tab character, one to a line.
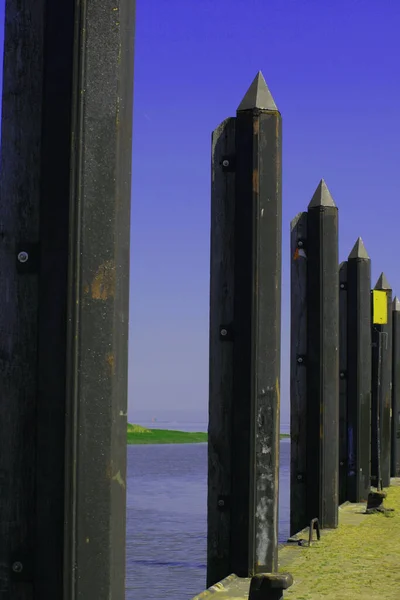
140	435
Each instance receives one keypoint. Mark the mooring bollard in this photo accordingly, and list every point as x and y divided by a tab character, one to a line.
269	586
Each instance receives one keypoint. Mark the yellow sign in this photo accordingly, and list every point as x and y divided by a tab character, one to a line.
379	307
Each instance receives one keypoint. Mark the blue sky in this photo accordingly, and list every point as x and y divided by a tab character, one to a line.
334	71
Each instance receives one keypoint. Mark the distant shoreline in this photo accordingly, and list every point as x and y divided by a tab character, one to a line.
137	434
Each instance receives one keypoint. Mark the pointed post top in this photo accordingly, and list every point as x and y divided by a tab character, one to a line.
322	196
396	304
258	96
299	218
382	283
359	251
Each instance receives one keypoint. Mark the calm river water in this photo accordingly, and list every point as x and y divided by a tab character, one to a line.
166	519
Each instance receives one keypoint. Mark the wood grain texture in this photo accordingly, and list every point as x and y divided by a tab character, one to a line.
221	354
298	373
358	378
99	303
88	57
386	416
342	383
256	385
323	362
395	437
19	230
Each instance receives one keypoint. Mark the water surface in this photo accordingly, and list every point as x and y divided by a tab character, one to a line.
166	518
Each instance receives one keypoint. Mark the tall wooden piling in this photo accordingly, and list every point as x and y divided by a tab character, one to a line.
257	326
358	373
379	316
395	434
221	351
343	382
322	358
381	400
64	254
298	374
245	353
19	217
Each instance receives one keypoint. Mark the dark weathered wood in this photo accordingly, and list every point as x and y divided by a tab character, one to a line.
375	401
298	373
19	223
358	373
386	382
221	351
387	394
53	298
322	359
376	408
99	301
395	437
65	198
257	300
343	382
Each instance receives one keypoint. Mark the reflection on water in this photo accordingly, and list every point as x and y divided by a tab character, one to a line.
166	519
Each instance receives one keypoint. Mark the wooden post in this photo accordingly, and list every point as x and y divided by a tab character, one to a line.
358	373
322	359
19	216
221	351
378	310
298	374
385	393
64	202
257	304
343	383
395	437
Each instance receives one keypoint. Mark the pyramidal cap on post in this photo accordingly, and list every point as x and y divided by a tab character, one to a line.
322	197
382	283
258	96
359	251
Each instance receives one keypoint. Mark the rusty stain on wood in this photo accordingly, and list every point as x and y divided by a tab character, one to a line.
256	181
110	362
103	284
